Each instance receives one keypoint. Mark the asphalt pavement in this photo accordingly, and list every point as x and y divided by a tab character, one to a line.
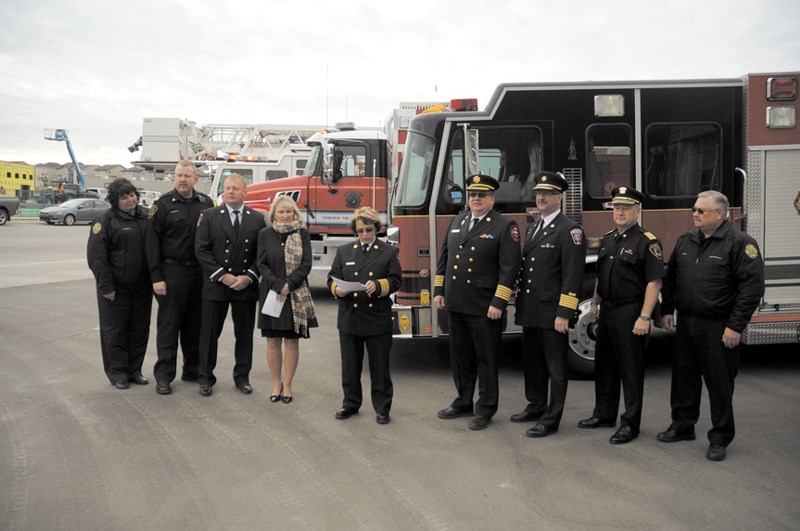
78	454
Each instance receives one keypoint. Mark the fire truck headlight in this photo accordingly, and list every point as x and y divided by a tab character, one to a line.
781	117
393	235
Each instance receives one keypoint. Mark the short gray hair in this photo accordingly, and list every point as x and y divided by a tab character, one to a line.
718	198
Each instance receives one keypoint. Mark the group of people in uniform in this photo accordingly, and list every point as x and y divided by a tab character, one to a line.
199	259
714	280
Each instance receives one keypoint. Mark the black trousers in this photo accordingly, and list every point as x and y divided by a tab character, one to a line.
213	319
178	319
124	330
474	346
699	352
544	363
352	351
619	357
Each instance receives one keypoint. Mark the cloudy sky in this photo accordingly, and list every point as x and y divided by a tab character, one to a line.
98	67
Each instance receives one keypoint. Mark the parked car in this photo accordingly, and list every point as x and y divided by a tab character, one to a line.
69	191
73	211
101	192
8	207
148	197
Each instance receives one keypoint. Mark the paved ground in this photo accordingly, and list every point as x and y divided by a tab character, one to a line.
77	454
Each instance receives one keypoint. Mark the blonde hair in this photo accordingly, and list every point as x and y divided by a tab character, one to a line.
235	177
368	216
186	163
281	199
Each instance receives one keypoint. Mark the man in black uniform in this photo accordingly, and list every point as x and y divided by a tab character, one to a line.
176	276
365	317
629	271
116	256
475	276
715	280
550	278
225	246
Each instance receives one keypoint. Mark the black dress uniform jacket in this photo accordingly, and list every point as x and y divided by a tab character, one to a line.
721	277
221	251
478	268
551	274
360	314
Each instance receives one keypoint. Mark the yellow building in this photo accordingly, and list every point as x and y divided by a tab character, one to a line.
16	177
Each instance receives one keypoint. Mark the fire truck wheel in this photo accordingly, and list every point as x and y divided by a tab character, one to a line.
581	343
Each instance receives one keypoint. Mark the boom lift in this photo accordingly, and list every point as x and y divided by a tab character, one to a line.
62	136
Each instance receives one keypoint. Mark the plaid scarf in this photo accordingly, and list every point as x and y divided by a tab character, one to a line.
302	305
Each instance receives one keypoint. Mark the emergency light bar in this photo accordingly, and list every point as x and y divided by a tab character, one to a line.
464	104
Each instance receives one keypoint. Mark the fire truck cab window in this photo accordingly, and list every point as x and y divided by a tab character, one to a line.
349	161
415	172
512	155
682	159
608	158
247	174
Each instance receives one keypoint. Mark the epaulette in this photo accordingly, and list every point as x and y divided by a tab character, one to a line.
650	236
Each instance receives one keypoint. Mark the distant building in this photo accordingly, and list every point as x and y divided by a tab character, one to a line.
109	171
17	177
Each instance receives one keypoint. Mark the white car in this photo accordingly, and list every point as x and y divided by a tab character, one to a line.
148	197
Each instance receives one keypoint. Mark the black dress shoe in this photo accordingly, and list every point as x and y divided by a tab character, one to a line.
286	399
244	387
346	413
120	384
453	413
163	388
479	422
540	430
383	418
594	422
673	435
624	435
716	452
529	414
138	380
205	390
188	378
276	398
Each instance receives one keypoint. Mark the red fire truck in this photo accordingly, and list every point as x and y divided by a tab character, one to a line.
346	169
669	139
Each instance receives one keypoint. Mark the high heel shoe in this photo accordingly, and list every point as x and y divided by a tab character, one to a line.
277	398
287	399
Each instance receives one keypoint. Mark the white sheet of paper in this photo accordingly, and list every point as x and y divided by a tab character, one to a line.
272	306
347	286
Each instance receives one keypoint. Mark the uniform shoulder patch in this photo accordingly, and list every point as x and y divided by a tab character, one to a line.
650	236
751	251
577	235
153	210
514	230
655	250
97	228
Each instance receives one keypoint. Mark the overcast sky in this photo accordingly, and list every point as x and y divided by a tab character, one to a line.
98	67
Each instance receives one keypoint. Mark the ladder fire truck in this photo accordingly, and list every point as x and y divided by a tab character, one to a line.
669	139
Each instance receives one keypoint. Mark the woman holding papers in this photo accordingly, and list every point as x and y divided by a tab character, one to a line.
362	277
287	311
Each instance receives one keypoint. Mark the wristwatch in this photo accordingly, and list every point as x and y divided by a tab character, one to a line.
644	317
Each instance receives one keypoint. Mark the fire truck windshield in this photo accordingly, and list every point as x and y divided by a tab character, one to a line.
416	171
314	165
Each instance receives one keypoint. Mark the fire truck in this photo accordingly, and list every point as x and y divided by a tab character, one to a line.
346	169
669	139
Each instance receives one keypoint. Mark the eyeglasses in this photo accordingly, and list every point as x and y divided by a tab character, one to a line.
365	230
702	211
479	195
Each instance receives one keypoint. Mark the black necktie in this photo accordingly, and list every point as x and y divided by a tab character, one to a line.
474	222
236	222
364	248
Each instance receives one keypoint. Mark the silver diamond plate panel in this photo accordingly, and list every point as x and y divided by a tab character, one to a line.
771	333
755	196
573	206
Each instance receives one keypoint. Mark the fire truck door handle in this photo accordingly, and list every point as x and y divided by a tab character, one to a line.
744	193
